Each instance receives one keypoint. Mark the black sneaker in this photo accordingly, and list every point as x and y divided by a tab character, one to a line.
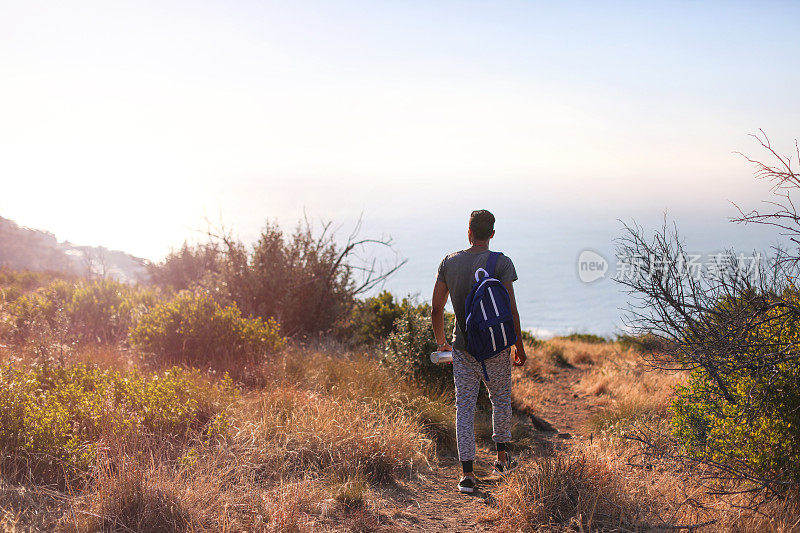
502	468
467	484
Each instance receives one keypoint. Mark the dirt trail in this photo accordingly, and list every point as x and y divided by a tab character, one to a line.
434	504
566	408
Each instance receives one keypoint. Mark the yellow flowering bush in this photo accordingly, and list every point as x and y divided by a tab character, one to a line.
15	283
755	422
54	419
100	311
193	328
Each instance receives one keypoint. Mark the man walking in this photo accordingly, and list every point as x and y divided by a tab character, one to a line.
455	277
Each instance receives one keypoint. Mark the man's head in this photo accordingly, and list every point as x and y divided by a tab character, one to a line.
481	226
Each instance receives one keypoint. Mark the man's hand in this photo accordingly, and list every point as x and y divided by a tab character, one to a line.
519	356
444	348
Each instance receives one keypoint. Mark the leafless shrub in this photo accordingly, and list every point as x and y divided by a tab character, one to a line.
307	280
730	328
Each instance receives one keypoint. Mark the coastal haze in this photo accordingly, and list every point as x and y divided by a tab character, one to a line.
128	126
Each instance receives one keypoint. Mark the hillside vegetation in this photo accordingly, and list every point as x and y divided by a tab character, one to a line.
303	436
35	250
188	405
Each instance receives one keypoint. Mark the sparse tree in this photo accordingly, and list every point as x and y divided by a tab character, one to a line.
96	262
307	280
734	327
183	268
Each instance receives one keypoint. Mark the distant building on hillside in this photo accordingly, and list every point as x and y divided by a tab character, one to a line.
31	249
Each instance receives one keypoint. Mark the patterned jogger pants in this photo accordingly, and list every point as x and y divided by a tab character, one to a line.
467	374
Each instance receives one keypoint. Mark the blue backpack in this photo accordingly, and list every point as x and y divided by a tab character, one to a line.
490	324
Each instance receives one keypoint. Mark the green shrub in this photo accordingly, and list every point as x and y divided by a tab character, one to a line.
193	328
529	339
761	430
53	420
584	337
555	355
642	343
624	417
15	283
306	280
408	348
187	268
755	422
372	320
93	311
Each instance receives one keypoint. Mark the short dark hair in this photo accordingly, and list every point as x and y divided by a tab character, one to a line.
481	222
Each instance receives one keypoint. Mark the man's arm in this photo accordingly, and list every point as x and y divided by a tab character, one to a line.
438	301
519	356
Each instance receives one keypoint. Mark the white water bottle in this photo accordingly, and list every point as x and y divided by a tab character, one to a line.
441	357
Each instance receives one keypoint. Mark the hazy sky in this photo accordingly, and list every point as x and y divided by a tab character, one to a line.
125	123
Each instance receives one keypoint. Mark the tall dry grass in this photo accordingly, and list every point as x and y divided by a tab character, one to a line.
311	450
291	433
324	437
207	493
359	377
608	483
613	376
618	373
596	487
570	491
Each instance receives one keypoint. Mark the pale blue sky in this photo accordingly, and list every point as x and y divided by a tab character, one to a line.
124	123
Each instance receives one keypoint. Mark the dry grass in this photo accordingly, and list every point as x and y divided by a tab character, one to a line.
324	438
629	391
550	357
527	394
289	433
605	488
547	358
615	375
358	377
29	508
608	483
676	494
208	495
311	449
576	491
565	352
780	516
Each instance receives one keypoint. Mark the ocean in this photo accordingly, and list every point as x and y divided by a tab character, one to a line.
551	296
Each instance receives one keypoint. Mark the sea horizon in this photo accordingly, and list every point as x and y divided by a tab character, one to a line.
551	297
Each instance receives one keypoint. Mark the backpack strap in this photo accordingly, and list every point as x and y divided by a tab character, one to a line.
491	263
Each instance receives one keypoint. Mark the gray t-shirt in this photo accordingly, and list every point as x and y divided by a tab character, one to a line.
457	271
